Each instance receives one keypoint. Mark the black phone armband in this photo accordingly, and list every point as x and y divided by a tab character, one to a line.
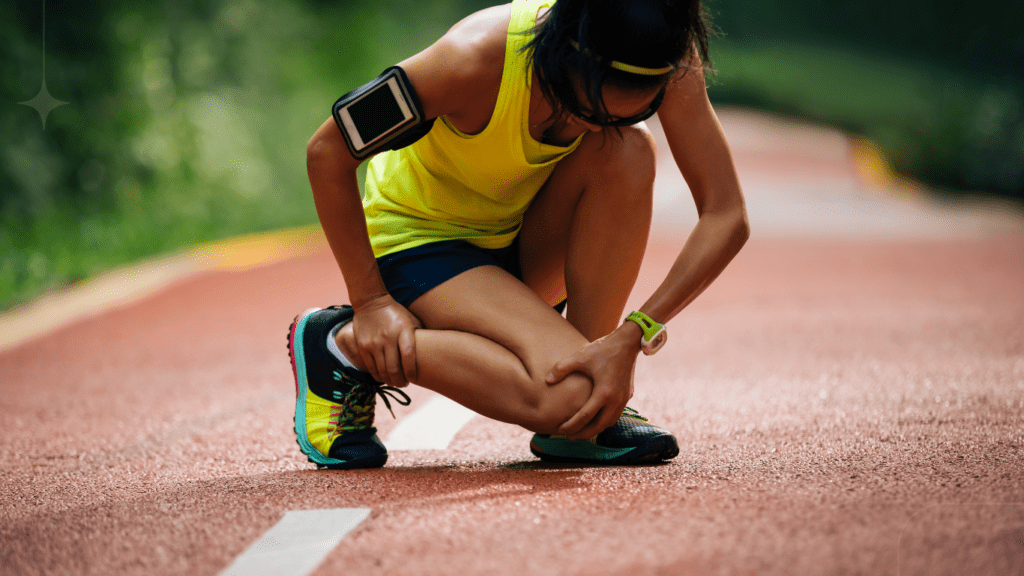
384	114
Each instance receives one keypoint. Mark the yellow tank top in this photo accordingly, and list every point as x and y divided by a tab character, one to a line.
455	186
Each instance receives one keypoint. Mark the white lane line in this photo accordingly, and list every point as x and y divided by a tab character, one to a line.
431	427
297	544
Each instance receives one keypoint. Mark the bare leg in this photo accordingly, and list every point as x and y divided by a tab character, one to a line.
490	340
585	234
489	345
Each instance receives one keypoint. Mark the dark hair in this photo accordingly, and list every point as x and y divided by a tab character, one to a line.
579	39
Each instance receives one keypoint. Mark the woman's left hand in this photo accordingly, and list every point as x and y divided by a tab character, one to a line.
609	362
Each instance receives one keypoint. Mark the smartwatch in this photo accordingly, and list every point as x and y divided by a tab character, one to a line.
654	336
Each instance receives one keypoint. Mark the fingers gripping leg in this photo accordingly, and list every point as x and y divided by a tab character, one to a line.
489	343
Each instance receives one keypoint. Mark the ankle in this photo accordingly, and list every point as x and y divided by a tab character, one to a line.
346	341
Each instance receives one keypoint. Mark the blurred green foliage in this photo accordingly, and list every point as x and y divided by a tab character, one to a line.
187	120
938	84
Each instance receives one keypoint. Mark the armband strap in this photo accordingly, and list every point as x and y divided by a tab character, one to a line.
384	114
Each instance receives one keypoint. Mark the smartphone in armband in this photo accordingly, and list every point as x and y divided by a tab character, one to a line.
383	114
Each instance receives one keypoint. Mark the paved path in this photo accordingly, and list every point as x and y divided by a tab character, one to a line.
848	396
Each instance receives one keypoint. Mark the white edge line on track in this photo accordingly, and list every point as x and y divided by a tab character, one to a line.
432	427
297	544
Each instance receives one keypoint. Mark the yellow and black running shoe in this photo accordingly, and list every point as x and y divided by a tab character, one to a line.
334	405
631	440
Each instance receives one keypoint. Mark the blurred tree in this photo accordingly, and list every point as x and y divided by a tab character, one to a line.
984	36
965	127
186	120
70	161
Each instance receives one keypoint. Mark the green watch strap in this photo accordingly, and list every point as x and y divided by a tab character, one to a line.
650	327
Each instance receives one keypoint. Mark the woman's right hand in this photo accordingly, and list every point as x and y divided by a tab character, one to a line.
385	337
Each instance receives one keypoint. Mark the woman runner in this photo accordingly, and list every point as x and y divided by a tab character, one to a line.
527	184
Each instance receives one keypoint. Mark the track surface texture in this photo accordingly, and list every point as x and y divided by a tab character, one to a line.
848	397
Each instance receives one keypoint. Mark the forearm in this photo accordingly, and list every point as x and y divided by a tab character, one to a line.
714	242
338	204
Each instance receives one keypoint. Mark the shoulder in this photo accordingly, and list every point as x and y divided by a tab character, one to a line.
485	30
686	97
464	62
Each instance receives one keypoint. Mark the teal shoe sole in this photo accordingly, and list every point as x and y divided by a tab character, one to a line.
298	360
565	451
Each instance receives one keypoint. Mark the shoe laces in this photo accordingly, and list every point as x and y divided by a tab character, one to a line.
634	414
358	404
626	412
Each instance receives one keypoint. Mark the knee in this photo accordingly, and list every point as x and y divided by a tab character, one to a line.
630	160
548	406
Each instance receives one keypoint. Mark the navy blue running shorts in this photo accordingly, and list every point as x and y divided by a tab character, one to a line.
409	274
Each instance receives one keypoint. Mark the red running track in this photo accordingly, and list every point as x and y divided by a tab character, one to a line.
844	406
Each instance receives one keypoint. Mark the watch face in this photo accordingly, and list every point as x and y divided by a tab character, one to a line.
656	342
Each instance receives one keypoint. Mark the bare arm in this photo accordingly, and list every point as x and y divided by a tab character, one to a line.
445	76
700	150
387	346
332	177
702	154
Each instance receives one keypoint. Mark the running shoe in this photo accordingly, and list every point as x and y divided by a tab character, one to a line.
631	440
334	405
